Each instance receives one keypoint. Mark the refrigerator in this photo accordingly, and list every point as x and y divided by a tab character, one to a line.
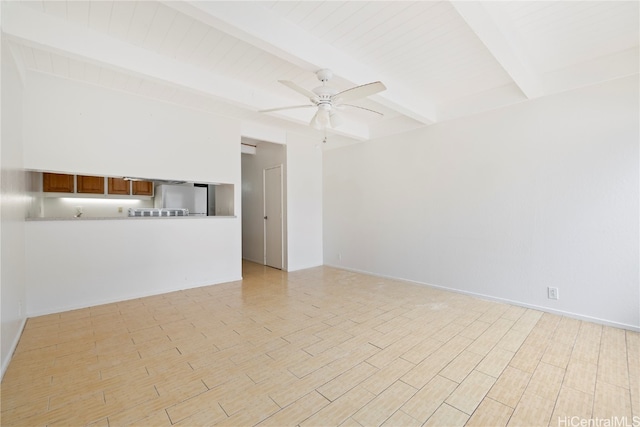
194	198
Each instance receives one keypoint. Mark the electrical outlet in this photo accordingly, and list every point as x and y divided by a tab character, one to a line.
119	209
339	256
552	293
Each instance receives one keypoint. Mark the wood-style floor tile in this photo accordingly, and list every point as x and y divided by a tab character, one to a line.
572	403
611	401
317	347
428	399
298	411
340	409
468	395
532	410
461	366
447	416
510	386
377	411
490	413
346	381
633	356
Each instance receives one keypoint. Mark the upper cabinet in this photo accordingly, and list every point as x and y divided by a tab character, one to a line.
119	186
90	184
142	188
57	183
87	185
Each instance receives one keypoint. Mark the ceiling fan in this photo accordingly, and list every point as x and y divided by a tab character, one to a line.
329	100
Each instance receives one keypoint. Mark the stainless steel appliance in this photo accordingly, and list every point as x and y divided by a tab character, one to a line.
189	197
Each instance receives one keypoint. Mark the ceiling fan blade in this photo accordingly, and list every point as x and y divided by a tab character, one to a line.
360	91
362	108
285	108
299	89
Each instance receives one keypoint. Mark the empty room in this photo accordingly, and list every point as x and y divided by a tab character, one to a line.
320	213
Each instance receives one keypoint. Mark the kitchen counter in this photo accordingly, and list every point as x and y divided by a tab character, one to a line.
135	218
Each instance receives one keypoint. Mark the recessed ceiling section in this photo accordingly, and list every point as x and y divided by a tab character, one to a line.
427	45
158	28
562	34
439	60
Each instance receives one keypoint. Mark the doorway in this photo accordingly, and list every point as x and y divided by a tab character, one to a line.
273	224
259	166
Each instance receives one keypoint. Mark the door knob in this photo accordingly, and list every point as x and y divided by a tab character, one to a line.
265	217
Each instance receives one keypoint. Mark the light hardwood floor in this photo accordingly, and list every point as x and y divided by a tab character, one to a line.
318	347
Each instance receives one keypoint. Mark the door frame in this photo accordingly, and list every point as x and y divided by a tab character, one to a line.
264	213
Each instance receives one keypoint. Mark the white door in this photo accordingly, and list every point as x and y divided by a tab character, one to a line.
273	217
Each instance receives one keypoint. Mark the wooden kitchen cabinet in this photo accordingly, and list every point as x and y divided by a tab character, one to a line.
87	184
57	183
90	184
118	186
142	188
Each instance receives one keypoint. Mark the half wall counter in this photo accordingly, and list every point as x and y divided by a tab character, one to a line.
63	196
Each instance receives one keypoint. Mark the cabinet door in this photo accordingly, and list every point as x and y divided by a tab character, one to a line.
91	184
118	186
57	182
142	188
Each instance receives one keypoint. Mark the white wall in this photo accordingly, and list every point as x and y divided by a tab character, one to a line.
502	204
83	128
267	155
82	263
304	203
80	128
13	207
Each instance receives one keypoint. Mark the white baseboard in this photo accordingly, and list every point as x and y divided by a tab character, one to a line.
14	345
303	267
572	315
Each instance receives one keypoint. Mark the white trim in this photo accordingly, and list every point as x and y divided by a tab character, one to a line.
304	267
14	345
604	322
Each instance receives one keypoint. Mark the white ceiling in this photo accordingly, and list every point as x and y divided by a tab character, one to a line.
439	59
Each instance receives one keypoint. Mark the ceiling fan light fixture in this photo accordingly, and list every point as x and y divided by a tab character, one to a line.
323	117
335	119
315	123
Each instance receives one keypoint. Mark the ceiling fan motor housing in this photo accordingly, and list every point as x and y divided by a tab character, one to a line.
324	95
